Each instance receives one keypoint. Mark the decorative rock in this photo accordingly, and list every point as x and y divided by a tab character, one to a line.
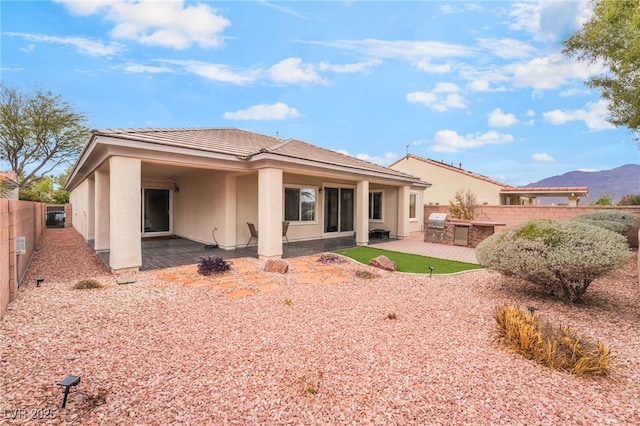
383	262
276	266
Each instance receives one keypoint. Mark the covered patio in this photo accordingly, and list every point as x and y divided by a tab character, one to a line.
167	252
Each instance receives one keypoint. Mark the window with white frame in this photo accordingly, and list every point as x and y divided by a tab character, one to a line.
413	206
300	204
375	205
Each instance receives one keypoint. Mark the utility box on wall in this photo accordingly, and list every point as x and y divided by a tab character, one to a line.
21	245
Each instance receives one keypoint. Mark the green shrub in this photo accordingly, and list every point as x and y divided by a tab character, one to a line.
87	283
556	347
613	220
562	256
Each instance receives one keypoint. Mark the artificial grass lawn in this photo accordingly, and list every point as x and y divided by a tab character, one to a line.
408	262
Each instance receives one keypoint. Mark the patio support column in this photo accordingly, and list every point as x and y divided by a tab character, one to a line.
125	207
229	237
403	212
362	213
89	219
270	213
101	212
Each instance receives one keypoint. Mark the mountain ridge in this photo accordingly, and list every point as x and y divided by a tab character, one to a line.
618	182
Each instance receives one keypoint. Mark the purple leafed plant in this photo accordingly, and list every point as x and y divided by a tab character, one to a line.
213	264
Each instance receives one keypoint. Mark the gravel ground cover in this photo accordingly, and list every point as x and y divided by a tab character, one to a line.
399	349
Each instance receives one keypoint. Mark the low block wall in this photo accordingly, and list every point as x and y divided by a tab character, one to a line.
514	215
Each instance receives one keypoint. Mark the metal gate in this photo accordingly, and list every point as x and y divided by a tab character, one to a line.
55	217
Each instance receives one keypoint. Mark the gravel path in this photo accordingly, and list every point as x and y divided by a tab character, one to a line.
160	352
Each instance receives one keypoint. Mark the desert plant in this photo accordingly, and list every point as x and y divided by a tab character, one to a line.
464	205
604	200
364	274
311	381
630	200
213	264
87	283
330	258
562	256
392	316
613	220
554	346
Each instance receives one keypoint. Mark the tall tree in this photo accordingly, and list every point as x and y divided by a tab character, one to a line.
39	131
612	36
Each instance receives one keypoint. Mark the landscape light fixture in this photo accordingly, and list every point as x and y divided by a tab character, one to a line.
431	268
38	281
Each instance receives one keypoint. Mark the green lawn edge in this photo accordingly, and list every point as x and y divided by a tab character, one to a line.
406	262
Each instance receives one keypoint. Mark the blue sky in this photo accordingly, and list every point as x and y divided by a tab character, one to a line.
479	83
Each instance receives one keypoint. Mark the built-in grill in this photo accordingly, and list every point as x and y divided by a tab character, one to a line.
435	227
436	220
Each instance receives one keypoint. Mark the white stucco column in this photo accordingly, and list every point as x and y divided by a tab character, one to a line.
270	213
125	251
403	212
362	213
229	237
101	212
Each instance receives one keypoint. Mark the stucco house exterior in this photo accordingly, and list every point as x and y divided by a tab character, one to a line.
447	179
130	184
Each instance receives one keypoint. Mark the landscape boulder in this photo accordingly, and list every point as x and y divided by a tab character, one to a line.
383	262
278	266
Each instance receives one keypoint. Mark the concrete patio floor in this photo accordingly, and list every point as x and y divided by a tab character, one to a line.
160	253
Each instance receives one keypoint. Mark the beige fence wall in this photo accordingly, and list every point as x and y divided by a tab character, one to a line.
513	215
19	219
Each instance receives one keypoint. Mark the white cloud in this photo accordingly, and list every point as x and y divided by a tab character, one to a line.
551	72
507	48
499	119
542	157
594	116
349	68
30	48
215	72
293	71
549	20
451	141
574	92
158	23
277	111
146	69
409	50
426	66
387	159
283	9
435	100
82	45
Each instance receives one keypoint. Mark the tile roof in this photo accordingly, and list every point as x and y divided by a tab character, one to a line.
453	169
244	144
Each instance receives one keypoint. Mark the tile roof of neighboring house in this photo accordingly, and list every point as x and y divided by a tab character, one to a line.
244	145
452	168
546	189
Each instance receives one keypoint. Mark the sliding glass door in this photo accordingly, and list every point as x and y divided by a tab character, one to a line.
339	207
156	212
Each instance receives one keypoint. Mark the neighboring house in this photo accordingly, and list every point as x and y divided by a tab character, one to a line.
447	179
10	185
130	184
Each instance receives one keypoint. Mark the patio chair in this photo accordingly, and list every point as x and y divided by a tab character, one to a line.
285	228
253	231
